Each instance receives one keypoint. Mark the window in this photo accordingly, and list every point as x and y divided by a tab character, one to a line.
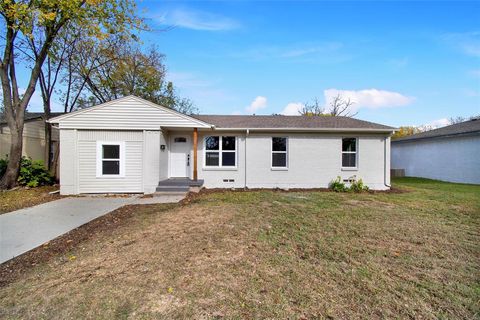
349	152
110	157
279	152
180	140
220	151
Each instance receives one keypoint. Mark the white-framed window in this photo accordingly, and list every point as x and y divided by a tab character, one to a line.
110	159
349	153
220	152
279	152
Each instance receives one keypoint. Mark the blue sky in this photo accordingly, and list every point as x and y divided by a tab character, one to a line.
403	63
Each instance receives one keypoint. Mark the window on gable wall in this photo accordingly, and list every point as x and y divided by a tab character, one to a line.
279	152
109	159
349	152
220	151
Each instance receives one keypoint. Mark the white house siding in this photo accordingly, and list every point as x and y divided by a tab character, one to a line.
163	155
151	161
454	159
127	114
68	162
314	160
78	162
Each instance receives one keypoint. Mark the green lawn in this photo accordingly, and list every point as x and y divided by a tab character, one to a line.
272	254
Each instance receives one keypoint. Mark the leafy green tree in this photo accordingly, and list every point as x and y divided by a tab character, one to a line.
124	69
36	25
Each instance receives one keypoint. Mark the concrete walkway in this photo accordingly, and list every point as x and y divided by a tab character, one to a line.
25	229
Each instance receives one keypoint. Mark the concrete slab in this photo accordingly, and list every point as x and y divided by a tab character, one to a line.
162	198
25	229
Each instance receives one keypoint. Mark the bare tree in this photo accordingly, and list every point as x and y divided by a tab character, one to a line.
339	106
312	109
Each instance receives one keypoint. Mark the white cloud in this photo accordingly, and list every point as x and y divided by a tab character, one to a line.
323	52
467	42
437	123
197	20
292	109
369	98
257	104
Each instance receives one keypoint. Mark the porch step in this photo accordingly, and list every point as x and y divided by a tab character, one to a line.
180	182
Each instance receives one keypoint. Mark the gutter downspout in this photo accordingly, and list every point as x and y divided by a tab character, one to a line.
385	163
245	164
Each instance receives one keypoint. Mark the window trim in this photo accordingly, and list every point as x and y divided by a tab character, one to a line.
286	154
220	153
355	168
100	159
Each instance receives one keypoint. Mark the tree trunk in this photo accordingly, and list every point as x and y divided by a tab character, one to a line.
9	179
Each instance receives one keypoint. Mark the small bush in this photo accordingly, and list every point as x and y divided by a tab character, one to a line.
338	185
3	166
32	173
357	186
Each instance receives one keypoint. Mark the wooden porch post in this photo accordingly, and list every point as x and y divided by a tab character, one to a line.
195	156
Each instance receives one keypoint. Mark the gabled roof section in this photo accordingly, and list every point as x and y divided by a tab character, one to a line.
468	127
304	123
127	113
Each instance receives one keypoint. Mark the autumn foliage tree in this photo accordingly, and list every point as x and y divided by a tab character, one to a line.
35	25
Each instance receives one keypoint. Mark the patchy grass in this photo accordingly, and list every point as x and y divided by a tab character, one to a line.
268	254
12	200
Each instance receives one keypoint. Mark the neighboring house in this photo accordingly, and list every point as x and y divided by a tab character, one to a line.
33	137
450	153
129	145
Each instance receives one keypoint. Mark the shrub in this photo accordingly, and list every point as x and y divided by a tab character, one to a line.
3	166
32	173
337	185
357	186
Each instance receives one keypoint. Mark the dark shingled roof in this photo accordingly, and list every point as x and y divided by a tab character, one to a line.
288	122
467	127
30	116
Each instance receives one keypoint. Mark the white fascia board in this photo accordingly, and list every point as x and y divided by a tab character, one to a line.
370	130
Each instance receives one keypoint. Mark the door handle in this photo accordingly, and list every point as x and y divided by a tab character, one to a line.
188	160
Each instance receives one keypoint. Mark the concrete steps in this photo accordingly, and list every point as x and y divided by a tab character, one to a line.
177	185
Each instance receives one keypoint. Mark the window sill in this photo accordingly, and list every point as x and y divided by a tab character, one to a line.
349	169
279	168
110	177
220	169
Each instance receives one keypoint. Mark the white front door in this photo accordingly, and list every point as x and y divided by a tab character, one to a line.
179	156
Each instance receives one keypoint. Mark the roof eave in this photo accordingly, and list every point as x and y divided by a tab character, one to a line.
412	139
370	130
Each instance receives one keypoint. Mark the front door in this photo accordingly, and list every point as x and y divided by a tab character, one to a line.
179	156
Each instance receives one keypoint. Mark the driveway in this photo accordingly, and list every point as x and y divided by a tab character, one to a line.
25	229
